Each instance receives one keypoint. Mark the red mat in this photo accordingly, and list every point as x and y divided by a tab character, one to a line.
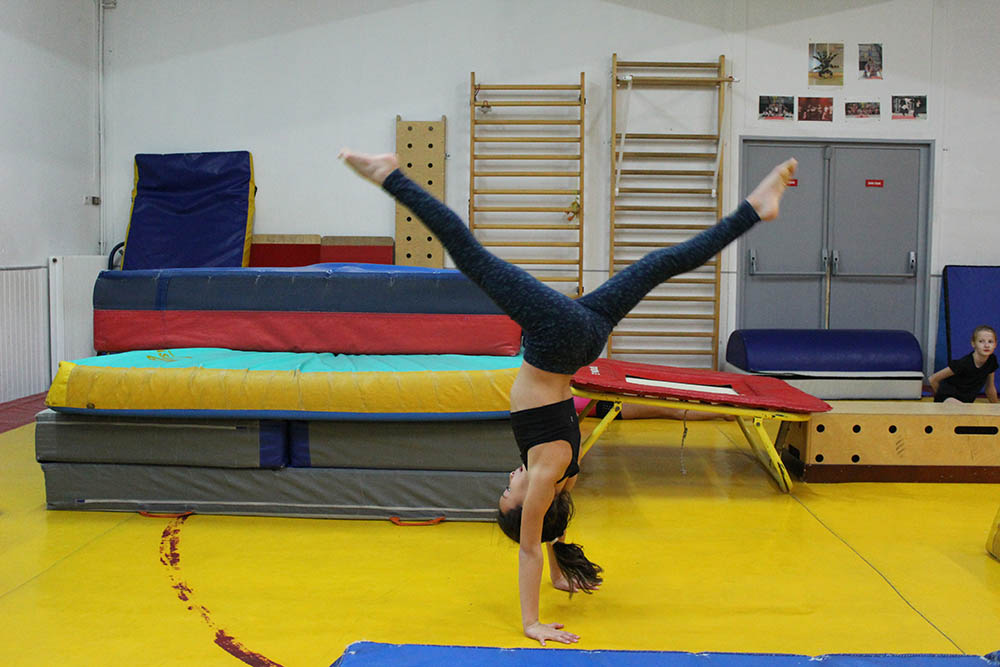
668	382
17	413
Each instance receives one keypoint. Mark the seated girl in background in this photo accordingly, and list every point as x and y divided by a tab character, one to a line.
962	379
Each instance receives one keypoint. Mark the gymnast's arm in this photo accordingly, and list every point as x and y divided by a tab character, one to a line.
991	389
541	491
935	380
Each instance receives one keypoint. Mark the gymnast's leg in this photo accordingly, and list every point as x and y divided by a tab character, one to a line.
616	297
523	297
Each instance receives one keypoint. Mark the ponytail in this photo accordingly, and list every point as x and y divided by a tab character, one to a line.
582	574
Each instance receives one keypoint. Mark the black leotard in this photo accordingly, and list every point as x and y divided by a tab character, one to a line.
556	421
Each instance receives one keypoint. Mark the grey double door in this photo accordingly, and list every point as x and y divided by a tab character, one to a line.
849	250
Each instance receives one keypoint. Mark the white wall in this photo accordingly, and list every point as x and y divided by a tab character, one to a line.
295	81
48	130
296	85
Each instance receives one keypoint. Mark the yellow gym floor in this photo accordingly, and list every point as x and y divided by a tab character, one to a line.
701	553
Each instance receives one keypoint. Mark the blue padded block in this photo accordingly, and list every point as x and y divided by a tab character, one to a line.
298	444
941	344
829	350
971	298
334	287
273	444
411	655
190	209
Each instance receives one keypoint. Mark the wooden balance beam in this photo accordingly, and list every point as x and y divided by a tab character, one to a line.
895	441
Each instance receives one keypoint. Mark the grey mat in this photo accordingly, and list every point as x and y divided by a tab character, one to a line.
223	443
859	388
302	492
486	446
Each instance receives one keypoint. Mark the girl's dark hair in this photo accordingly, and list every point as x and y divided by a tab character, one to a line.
582	574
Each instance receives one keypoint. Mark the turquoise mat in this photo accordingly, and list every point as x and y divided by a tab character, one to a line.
303	362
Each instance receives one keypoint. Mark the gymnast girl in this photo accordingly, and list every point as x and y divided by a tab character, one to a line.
561	335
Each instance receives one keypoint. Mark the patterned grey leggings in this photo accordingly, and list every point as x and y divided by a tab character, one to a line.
562	334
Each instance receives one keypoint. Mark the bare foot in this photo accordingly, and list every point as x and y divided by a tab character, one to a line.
766	196
375	168
562	584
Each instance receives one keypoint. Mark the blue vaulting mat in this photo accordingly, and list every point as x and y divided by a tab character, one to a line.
413	655
969	300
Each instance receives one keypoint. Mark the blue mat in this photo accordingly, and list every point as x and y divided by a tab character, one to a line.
191	210
969	298
414	655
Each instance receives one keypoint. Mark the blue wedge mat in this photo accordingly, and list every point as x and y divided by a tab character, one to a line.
191	210
415	655
970	298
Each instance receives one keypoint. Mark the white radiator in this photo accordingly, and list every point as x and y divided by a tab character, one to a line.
71	306
24	331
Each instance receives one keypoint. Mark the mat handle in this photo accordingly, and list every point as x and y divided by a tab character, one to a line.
165	515
429	522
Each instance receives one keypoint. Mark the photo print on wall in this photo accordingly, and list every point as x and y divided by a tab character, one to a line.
909	107
816	108
869	61
826	64
776	107
859	110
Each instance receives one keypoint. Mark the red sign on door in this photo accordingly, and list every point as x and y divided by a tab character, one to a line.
793	183
874	183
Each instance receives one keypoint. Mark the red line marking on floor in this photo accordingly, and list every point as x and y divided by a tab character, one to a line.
170	556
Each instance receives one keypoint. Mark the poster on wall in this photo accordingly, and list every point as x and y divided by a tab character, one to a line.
861	110
776	107
869	61
826	64
909	107
816	108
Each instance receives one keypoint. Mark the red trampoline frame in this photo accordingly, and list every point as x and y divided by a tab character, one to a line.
750	398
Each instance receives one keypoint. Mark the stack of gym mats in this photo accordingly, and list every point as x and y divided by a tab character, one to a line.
338	390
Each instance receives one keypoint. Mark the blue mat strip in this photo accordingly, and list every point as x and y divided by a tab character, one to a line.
414	655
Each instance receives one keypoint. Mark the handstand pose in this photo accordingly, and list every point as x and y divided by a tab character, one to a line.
561	335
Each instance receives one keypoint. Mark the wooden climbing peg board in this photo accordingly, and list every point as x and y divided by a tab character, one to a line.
421	150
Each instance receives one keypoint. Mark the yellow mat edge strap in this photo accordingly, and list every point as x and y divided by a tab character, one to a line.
131	208
248	234
59	390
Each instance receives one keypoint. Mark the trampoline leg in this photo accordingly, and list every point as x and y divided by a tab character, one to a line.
763	449
598	431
